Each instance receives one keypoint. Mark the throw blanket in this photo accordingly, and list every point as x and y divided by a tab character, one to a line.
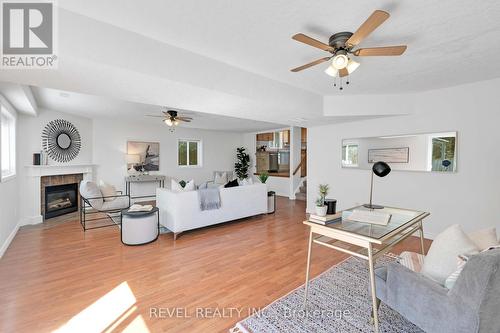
209	198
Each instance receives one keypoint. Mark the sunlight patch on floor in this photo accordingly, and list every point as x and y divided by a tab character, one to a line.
109	310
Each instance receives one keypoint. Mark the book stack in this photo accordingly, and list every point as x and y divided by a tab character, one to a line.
327	219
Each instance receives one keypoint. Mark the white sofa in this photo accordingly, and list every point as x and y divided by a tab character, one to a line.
180	211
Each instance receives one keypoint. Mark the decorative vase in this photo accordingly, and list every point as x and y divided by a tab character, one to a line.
321	210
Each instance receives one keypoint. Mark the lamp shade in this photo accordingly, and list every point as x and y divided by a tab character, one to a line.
132	158
381	169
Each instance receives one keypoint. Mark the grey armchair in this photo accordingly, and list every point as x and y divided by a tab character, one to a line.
472	305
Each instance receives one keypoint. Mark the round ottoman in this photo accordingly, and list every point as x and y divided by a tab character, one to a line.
140	228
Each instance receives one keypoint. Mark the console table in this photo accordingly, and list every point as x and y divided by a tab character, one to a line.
369	240
160	179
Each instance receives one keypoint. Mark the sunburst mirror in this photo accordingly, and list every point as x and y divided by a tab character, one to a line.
61	140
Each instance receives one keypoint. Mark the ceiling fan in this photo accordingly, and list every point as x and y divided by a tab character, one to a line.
172	118
341	45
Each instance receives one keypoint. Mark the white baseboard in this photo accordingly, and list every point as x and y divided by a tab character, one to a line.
9	239
29	220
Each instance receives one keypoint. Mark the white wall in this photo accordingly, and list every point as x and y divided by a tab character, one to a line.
110	145
9	189
470	197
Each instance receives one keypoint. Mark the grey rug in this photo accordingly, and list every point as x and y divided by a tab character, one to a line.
338	301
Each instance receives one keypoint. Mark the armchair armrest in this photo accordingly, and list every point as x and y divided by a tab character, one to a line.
426	303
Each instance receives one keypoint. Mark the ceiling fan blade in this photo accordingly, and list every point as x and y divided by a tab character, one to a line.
314	63
184	118
150	115
312	42
373	22
381	51
343	72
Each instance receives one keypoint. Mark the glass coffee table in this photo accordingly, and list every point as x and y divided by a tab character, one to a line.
366	241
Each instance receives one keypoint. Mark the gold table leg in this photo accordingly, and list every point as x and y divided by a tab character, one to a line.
422	238
372	285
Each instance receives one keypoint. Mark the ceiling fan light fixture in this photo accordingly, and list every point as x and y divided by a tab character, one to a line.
332	71
340	60
352	66
176	122
168	122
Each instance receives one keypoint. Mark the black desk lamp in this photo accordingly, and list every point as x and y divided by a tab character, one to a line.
381	169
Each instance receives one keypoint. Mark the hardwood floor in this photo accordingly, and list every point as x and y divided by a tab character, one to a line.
55	274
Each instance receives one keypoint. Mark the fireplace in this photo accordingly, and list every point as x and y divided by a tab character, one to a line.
60	199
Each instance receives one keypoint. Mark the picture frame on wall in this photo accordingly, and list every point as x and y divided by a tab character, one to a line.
389	155
149	153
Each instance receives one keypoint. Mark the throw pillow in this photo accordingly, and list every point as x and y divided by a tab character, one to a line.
441	260
411	260
245	182
220	178
176	187
484	238
450	280
89	189
107	190
232	183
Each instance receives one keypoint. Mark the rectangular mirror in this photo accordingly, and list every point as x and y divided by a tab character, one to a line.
415	152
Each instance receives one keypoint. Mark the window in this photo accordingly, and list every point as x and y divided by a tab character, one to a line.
8	144
443	153
350	155
189	153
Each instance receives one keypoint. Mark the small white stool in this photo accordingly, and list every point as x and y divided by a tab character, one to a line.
140	228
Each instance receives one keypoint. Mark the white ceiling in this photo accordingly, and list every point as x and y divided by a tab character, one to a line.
233	58
449	41
96	107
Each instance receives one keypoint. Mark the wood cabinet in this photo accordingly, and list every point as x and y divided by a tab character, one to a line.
303	135
286	137
265	136
262	162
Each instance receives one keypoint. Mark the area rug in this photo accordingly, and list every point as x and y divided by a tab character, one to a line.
338	301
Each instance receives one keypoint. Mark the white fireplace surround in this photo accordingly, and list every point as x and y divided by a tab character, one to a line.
31	208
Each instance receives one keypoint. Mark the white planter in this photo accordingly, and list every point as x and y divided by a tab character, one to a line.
321	211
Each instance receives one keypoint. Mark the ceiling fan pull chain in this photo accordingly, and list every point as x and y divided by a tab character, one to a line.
341	88
335	81
347	80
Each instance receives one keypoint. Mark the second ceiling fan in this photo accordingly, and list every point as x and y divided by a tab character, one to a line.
342	44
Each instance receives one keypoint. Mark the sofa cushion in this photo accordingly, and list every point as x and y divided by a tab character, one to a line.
484	238
89	189
232	183
441	260
107	190
119	203
220	178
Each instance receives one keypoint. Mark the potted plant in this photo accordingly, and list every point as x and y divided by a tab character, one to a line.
263	177
321	208
242	163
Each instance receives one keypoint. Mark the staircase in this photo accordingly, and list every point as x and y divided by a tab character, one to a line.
302	193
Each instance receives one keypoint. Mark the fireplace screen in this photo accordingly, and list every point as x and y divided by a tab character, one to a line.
61	199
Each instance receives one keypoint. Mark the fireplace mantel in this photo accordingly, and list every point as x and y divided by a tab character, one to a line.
31	212
54	170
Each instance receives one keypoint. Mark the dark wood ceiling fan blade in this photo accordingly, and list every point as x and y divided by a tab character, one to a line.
373	22
343	72
150	115
184	118
381	51
312	42
314	63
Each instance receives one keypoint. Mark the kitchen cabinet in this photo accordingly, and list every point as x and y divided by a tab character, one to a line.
262	162
303	135
286	137
265	136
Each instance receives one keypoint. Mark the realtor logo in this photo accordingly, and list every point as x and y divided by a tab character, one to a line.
28	34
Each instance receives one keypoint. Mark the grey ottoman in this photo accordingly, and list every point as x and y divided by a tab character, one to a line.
140	228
